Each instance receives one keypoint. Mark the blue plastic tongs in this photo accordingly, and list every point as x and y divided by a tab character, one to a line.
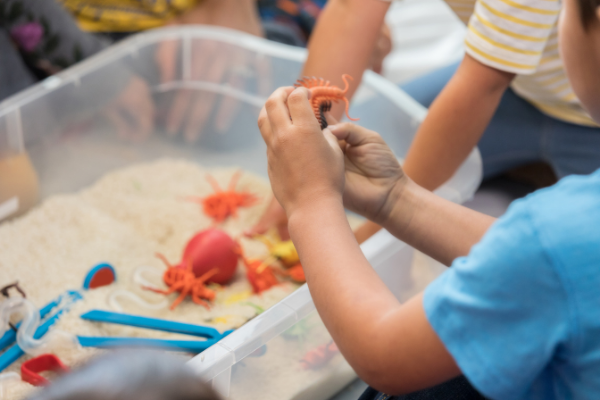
49	315
192	346
100	275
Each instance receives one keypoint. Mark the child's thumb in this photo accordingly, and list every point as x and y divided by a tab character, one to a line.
353	134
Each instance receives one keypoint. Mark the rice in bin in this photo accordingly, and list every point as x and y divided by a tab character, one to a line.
124	219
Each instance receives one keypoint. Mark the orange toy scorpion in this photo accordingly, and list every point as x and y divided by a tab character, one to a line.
185	282
322	93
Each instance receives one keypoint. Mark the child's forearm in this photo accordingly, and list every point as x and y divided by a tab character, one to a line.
455	123
437	227
380	338
343	41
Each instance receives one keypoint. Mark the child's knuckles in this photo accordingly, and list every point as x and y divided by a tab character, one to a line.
298	96
272	102
263	120
373	136
344	127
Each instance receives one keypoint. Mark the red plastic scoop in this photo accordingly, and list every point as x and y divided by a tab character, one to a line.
30	369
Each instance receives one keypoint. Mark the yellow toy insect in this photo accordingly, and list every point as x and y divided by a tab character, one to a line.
285	252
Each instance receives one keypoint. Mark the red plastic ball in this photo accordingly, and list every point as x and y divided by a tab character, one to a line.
212	248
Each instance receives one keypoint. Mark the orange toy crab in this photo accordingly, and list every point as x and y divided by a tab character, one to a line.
185	282
224	203
322	93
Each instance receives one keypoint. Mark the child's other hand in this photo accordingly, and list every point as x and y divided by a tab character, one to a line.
374	178
306	165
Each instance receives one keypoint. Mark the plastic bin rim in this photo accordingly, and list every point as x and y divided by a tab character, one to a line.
132	44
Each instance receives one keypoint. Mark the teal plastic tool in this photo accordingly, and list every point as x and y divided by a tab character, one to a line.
211	335
50	313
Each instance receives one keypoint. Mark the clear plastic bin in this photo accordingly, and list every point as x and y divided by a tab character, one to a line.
59	132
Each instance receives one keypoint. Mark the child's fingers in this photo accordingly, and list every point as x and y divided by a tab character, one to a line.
333	141
277	110
264	126
353	134
300	108
330	119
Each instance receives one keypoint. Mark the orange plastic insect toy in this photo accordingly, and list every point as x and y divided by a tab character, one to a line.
317	358
224	203
295	273
184	281
285	252
322	93
260	275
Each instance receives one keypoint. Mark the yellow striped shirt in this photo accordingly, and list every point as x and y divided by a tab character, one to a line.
521	36
125	15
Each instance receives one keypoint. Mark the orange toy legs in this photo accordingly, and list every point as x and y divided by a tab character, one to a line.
224	204
185	282
322	95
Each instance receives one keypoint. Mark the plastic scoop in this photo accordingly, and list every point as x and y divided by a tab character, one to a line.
30	369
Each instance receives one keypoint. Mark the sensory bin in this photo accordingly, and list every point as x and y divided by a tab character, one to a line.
101	195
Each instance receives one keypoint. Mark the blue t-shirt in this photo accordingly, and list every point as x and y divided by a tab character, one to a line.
521	313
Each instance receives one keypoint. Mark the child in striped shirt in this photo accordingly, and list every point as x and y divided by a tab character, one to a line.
518	314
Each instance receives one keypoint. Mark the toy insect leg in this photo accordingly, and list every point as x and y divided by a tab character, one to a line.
199	301
234	180
172	289
164	260
347	108
213	182
207	275
179	299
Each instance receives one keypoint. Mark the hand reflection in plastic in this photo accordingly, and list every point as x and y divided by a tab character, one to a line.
132	112
212	65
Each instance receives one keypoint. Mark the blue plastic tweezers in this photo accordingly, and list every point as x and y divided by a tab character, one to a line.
211	335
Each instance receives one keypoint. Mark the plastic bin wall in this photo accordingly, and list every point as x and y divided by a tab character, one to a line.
63	125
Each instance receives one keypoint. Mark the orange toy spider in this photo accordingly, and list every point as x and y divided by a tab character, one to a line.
185	282
322	93
223	204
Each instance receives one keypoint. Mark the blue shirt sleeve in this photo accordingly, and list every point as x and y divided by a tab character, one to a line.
502	311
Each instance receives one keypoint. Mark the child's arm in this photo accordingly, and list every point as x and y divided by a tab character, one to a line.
343	42
391	346
387	340
455	123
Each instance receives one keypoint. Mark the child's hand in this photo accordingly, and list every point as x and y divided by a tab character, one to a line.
306	165
374	178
